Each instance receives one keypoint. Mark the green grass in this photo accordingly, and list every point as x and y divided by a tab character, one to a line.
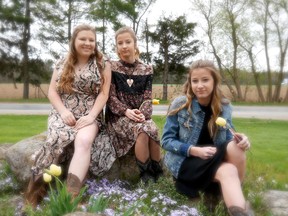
268	137
267	160
17	127
269	147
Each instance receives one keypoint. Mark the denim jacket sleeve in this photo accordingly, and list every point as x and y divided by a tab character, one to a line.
170	138
224	135
170	141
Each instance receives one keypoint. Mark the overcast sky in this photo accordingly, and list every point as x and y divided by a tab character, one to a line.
177	8
180	7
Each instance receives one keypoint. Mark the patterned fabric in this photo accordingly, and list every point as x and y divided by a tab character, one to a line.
60	136
124	131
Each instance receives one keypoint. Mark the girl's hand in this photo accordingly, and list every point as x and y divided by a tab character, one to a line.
84	121
68	118
242	141
135	115
203	152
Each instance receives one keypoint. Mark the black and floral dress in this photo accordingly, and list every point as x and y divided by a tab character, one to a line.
60	137
131	88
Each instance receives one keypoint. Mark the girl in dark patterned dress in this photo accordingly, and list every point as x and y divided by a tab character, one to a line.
78	91
129	107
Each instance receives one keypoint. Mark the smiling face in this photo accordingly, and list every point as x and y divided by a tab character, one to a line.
202	84
85	43
126	46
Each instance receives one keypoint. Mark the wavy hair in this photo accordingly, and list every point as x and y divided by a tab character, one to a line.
67	77
129	30
217	98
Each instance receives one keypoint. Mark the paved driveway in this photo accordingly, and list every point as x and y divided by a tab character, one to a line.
260	112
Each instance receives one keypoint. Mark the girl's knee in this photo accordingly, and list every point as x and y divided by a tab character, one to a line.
241	157
235	154
83	143
227	170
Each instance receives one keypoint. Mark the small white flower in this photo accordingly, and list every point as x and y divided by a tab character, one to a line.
260	179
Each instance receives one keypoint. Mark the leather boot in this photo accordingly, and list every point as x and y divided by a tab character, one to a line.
36	191
73	185
156	169
237	211
145	171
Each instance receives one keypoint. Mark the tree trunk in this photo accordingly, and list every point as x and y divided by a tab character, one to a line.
235	55
269	93
24	49
234	95
69	19
165	75
256	77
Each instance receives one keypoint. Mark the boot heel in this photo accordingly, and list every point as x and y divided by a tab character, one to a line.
74	185
36	191
145	173
156	169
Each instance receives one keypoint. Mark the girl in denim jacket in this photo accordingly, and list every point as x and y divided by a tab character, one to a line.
199	154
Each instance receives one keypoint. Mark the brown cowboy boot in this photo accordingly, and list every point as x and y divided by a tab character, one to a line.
237	211
73	185
36	191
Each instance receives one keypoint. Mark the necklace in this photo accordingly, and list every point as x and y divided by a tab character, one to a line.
130	81
80	68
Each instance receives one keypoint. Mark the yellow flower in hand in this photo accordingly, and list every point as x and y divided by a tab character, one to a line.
155	101
47	178
221	121
55	170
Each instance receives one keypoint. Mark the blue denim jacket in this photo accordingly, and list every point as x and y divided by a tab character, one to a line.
179	127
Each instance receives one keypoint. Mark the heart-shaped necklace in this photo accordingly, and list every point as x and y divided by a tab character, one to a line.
130	81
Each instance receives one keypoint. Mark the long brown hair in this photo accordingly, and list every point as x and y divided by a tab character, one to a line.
129	30
67	77
217	96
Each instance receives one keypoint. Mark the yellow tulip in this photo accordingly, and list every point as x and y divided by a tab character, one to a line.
47	178
221	121
155	101
55	170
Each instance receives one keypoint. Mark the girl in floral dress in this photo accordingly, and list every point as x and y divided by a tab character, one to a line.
78	91
129	107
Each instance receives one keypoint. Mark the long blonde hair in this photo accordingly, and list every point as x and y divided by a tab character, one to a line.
67	77
217	98
129	30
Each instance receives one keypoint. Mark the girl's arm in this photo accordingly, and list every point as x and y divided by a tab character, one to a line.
100	100
57	103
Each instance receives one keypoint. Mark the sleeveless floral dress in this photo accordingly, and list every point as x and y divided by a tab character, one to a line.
59	145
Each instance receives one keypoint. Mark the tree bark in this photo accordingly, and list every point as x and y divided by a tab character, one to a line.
24	49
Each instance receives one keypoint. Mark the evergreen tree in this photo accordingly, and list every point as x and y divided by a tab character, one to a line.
176	44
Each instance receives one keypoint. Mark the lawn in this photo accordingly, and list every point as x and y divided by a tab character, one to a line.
17	127
267	160
268	137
